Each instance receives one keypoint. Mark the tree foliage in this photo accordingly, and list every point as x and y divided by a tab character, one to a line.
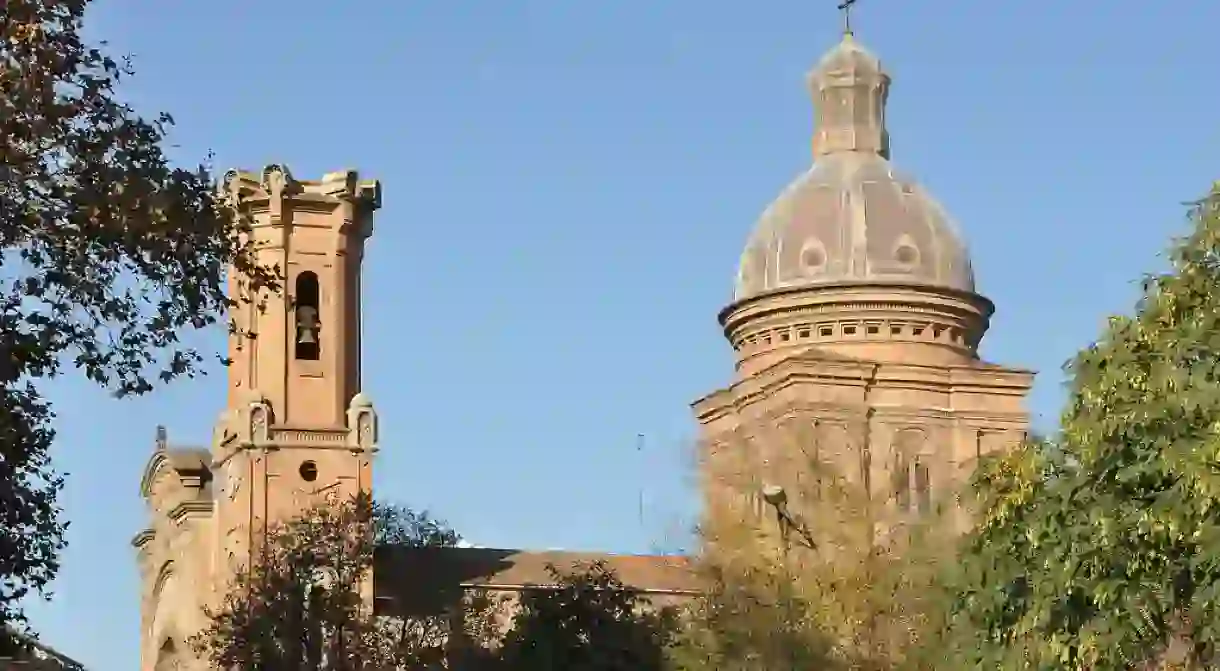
107	253
302	598
855	586
1102	551
752	618
587	621
396	525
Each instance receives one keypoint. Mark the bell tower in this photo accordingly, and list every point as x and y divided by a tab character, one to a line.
304	356
296	428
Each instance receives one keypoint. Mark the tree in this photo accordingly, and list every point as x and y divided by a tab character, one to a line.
840	580
396	525
301	600
588	621
422	640
751	618
108	254
1101	550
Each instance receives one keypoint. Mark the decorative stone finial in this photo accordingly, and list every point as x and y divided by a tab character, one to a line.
254	419
278	181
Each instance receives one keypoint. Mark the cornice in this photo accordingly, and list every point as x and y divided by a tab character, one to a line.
976	368
301	202
190	509
823	411
805	367
866	297
190	465
881	294
143	539
843	371
754	389
301	436
274	191
1014	419
151	469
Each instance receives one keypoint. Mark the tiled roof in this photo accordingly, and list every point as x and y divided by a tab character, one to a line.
40	657
422	579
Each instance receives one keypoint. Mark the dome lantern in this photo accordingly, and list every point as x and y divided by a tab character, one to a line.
854	255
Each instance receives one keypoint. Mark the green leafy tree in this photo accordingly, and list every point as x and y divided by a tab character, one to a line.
107	253
1102	550
588	621
300	603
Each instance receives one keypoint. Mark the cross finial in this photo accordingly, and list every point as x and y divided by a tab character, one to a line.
845	7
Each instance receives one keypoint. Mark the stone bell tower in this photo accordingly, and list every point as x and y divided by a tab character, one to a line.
296	428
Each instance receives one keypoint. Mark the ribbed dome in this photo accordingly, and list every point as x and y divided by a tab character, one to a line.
852	218
849	55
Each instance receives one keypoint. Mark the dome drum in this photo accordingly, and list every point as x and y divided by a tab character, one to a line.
878	323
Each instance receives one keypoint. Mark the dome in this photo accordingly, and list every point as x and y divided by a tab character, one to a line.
848	56
852	218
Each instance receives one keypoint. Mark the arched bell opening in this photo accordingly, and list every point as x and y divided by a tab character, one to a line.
308	329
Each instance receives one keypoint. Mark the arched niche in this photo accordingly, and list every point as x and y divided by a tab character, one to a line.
910	475
169	656
168	600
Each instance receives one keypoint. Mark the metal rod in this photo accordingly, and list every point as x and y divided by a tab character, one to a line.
845	7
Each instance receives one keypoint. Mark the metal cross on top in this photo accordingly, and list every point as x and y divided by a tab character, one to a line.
845	7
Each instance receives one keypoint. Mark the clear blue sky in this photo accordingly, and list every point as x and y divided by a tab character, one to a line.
567	188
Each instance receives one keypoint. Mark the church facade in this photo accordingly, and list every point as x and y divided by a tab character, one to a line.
855	319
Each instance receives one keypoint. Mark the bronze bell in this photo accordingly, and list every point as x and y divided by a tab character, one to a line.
307	325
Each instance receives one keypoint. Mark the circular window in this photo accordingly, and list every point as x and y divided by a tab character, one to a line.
813	255
308	471
907	255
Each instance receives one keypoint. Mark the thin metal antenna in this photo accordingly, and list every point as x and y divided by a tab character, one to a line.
845	7
639	450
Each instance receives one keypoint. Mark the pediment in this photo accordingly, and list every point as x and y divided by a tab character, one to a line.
191	465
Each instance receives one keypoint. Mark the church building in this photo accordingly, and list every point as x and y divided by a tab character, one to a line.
855	317
856	325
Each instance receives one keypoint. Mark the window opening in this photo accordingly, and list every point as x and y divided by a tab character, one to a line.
308	348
